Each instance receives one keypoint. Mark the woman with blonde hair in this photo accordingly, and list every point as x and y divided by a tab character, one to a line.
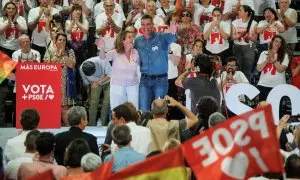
124	84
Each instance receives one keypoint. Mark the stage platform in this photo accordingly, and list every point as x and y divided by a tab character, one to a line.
7	133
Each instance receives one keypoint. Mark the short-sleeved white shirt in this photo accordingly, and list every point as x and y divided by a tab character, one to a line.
109	36
173	70
267	35
161	13
10	38
76	34
241	27
269	76
215	42
99	8
158	25
203	15
40	36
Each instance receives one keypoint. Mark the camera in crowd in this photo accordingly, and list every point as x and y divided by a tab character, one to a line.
208	64
293	119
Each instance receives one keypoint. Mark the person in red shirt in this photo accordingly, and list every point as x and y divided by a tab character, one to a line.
295	67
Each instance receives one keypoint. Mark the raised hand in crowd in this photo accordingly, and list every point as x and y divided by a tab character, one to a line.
282	124
173	28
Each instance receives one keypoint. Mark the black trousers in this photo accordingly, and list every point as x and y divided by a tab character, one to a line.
41	50
4	91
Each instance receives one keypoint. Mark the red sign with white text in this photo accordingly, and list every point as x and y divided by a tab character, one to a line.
39	87
242	147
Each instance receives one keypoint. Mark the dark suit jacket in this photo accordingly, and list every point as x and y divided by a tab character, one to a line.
62	140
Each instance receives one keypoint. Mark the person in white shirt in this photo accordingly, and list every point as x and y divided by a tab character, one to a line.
165	10
108	24
23	7
37	22
14	165
174	59
268	28
272	65
217	34
288	17
25	53
141	136
15	147
260	5
243	33
203	14
99	8
138	7
87	6
11	27
231	8
158	22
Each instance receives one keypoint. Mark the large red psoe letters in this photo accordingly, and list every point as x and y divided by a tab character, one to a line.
239	148
39	87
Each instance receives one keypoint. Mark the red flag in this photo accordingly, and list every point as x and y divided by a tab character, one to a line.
46	175
102	172
168	165
239	148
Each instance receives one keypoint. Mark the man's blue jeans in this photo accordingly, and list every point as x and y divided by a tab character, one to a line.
151	88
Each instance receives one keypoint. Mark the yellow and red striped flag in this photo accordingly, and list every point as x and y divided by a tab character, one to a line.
6	66
103	172
165	166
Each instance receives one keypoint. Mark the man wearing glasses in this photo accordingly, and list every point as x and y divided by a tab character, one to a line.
153	50
231	76
108	24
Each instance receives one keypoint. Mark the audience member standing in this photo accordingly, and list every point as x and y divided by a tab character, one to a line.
141	136
243	33
217	34
15	147
29	155
108	24
162	129
66	57
153	51
288	17
11	27
272	65
37	23
295	68
126	155
45	144
268	28
77	118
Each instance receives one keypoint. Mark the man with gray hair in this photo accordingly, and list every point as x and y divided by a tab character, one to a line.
162	129
77	118
90	162
215	118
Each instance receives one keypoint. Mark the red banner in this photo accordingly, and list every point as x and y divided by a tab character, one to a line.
39	87
239	148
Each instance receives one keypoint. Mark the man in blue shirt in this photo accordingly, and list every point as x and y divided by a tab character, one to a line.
153	51
96	75
125	155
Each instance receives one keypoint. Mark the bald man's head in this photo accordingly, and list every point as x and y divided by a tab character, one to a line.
159	107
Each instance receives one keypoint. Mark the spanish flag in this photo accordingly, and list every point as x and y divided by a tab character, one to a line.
6	66
165	166
103	172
